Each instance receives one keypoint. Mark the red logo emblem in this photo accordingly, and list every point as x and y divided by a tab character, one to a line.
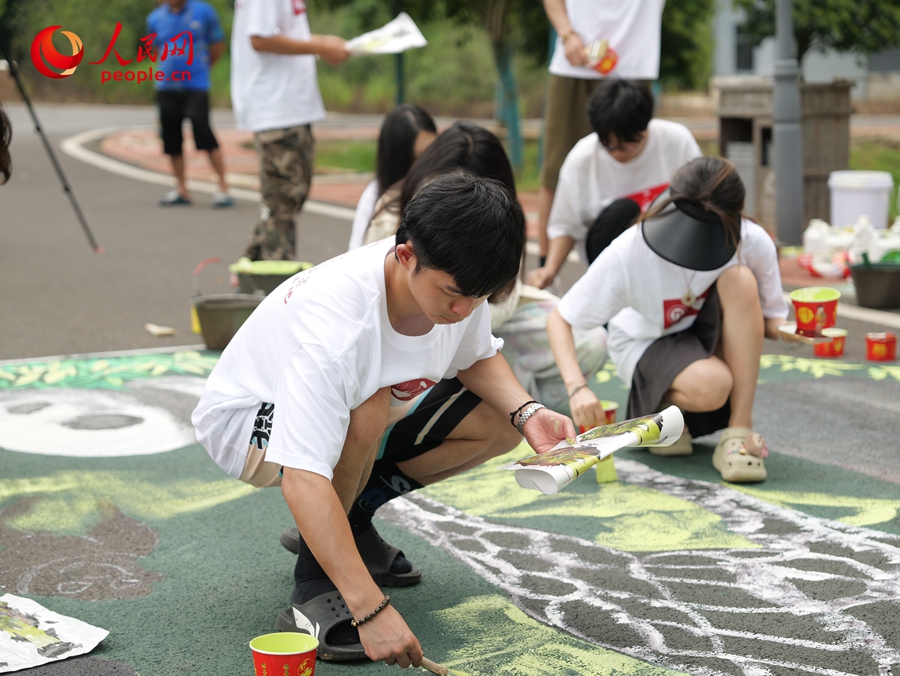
411	388
44	54
299	6
644	198
675	310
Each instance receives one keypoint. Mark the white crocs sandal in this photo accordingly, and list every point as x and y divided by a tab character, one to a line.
739	456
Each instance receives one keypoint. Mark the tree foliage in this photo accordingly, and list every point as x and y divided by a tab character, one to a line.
686	44
862	26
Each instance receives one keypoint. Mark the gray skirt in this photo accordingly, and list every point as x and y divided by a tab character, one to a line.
670	355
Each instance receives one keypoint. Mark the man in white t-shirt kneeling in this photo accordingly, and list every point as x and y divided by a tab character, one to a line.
612	175
307	393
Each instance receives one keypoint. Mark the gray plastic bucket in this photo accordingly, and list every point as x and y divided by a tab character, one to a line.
877	285
222	315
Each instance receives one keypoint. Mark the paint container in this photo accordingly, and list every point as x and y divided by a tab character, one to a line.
836	347
284	653
881	346
606	471
815	308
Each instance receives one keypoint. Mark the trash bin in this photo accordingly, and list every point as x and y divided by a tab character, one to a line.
860	193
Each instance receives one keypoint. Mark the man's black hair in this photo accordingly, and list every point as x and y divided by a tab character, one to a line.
620	107
470	227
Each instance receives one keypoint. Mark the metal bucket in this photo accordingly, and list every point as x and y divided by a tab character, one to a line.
222	315
260	284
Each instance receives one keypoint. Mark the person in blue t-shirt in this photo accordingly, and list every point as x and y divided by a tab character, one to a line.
188	41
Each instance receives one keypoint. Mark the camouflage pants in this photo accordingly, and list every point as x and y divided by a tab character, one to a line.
285	173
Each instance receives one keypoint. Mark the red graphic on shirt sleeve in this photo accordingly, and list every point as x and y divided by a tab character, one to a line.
644	198
411	388
299	6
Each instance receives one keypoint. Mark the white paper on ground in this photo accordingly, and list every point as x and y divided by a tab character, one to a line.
392	38
31	635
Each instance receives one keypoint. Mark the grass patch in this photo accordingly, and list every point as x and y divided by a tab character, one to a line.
345	156
878	155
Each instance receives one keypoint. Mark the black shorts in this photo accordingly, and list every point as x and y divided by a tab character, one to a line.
670	355
437	414
174	106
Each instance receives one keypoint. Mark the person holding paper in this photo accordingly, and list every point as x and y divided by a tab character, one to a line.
613	174
275	94
688	295
304	392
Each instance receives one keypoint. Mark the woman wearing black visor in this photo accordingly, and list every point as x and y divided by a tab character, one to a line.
688	295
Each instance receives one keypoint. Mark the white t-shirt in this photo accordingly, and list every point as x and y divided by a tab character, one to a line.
639	293
317	347
590	178
632	28
365	209
272	91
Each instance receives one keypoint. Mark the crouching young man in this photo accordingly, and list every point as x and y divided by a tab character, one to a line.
332	359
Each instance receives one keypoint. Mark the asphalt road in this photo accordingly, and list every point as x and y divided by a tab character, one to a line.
60	298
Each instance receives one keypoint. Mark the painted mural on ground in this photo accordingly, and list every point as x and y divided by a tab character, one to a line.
695	576
703	604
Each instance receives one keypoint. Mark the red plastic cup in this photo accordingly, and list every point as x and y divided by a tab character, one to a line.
609	410
881	346
284	654
815	309
836	347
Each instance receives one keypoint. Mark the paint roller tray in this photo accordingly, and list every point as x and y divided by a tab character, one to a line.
790	329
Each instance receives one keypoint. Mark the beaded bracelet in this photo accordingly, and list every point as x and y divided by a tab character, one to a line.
512	416
577	389
381	606
526	414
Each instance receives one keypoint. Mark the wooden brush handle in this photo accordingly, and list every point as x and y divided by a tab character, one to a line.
434	667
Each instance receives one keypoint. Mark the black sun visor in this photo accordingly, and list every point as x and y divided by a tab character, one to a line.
686	235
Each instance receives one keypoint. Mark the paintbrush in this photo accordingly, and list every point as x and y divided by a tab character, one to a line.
439	669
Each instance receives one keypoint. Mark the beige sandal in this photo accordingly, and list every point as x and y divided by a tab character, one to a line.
739	456
681	447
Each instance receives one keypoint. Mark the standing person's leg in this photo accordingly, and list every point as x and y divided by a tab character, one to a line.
205	139
286	169
171	114
565	123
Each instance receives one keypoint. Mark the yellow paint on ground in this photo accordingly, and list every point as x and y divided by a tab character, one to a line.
70	498
495	637
617	515
866	511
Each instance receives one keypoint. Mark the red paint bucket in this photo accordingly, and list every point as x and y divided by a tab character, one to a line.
284	653
836	347
881	346
815	308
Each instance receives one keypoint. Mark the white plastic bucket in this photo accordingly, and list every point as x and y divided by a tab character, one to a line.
860	193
